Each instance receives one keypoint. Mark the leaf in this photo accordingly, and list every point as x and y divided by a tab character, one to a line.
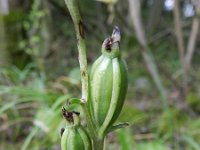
190	141
118	126
7	106
125	139
29	139
74	104
74	101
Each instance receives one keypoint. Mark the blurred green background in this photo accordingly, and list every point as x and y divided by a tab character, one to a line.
39	70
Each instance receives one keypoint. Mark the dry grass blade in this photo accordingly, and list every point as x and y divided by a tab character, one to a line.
134	7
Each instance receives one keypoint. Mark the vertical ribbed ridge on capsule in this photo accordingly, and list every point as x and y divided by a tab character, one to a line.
116	86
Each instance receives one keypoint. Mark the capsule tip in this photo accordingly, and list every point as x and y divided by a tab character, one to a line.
116	36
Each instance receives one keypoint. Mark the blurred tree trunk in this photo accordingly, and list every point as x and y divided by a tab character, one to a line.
4	55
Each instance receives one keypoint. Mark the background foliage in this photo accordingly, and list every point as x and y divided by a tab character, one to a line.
39	71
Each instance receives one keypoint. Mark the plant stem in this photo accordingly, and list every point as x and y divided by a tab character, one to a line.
98	143
74	12
91	125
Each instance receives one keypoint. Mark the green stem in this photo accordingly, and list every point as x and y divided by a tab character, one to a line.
98	143
90	123
74	12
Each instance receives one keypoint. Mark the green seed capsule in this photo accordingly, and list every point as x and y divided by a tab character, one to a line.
75	137
108	84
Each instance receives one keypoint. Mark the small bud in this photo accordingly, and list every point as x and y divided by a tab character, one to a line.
74	137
